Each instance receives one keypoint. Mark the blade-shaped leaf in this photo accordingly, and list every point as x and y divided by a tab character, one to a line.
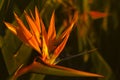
8	51
101	66
1	3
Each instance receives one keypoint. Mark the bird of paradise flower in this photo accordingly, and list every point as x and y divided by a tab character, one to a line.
46	44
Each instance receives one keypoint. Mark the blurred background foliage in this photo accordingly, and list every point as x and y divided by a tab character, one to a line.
98	27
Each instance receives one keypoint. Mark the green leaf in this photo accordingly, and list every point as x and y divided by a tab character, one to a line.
23	55
101	66
1	41
1	3
10	46
35	76
14	52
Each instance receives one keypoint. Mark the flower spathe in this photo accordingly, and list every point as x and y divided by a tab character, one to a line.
46	44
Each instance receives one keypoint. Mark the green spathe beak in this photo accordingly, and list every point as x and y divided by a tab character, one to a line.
56	70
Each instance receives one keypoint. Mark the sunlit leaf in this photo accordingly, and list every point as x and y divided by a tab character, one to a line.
8	51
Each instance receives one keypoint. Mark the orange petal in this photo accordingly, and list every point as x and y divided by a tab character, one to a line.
64	37
24	34
37	19
51	30
11	27
43	31
68	30
17	31
22	27
33	27
31	14
97	15
58	50
45	54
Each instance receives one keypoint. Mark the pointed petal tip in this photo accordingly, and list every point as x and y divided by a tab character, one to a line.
36	8
11	27
39	68
53	12
76	73
101	76
15	14
25	12
96	75
6	23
